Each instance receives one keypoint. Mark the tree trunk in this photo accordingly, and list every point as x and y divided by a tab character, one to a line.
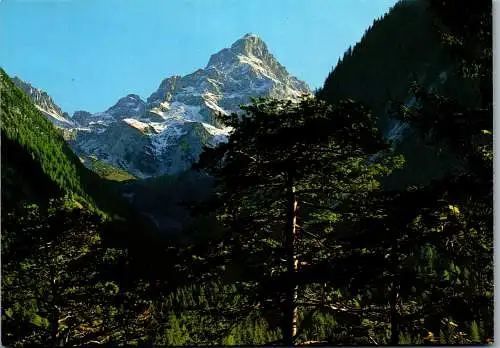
54	325
394	317
394	296
290	312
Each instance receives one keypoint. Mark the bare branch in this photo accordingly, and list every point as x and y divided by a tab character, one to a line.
313	342
373	340
67	317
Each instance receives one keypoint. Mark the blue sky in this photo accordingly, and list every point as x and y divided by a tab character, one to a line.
88	53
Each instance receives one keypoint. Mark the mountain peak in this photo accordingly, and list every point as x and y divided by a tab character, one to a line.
250	45
250	35
251	38
130	105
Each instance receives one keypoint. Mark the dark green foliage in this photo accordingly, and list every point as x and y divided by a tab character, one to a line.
465	246
50	289
439	267
217	307
379	70
279	152
58	283
23	179
70	278
376	267
428	250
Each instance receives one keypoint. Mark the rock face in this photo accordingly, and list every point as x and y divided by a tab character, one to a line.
45	104
165	134
130	106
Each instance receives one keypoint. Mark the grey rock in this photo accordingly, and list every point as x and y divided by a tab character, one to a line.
127	107
45	104
82	118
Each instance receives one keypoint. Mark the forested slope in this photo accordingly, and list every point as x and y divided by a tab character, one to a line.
395	50
35	155
299	242
26	134
402	47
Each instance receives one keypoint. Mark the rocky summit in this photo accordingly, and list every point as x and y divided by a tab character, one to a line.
166	133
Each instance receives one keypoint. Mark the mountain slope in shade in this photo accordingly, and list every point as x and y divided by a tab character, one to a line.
378	71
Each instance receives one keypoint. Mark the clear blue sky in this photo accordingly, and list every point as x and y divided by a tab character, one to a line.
88	53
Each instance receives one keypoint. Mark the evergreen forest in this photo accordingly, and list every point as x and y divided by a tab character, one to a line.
312	225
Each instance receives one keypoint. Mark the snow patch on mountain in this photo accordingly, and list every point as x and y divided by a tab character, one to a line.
143	127
257	65
211	101
179	111
55	117
168	137
219	134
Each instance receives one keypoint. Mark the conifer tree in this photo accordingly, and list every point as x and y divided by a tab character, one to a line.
58	281
280	154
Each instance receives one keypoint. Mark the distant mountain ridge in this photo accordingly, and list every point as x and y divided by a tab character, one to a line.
45	104
165	133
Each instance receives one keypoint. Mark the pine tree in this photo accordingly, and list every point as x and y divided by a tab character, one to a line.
59	267
51	247
280	154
